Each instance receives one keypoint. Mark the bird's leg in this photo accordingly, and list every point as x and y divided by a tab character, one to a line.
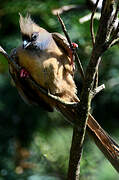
24	73
74	46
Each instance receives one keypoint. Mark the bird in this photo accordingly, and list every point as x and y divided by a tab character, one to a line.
42	56
47	59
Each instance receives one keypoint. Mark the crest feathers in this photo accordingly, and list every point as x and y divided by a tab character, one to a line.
26	24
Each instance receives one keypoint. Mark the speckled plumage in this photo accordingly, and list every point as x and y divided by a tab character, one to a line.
47	63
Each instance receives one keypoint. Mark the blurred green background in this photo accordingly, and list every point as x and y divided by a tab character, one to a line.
34	144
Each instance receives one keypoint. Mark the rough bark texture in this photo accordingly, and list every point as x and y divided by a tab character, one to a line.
85	99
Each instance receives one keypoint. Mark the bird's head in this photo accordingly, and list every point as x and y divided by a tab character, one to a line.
32	34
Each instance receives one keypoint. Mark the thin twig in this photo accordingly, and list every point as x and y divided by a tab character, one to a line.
93	38
98	89
78	62
92	22
96	80
68	8
65	31
113	41
4	53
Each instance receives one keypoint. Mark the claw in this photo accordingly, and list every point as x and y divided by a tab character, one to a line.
24	73
71	53
75	45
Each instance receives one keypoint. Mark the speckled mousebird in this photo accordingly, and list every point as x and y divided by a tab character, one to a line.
46	58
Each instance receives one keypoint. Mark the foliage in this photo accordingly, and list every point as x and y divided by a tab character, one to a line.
40	140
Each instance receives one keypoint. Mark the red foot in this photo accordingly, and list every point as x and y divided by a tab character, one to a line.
75	45
71	53
24	73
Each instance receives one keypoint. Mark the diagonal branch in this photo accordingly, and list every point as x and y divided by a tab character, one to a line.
104	142
93	39
92	22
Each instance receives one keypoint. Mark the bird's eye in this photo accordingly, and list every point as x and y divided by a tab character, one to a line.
34	36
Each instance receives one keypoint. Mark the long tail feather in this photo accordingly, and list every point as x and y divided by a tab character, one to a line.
104	142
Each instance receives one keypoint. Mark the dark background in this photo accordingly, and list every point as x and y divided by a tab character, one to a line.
34	144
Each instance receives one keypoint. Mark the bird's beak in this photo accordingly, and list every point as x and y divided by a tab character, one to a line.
26	44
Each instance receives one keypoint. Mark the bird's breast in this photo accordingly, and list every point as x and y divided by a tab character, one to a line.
44	67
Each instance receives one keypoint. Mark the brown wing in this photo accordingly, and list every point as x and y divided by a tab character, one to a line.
61	42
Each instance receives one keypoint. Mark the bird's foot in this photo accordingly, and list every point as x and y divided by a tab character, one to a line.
74	45
24	73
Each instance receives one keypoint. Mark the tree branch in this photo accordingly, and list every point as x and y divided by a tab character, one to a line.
92	22
97	90
93	39
105	143
85	101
